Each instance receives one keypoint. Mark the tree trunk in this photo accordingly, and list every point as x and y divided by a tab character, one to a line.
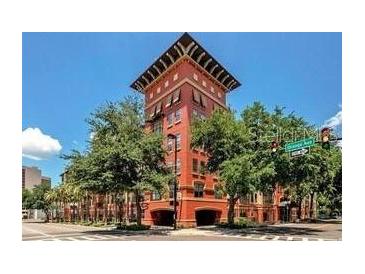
87	208
127	208
105	213
139	209
231	204
311	203
300	208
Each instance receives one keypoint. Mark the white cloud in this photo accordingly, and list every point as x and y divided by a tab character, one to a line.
335	120
38	146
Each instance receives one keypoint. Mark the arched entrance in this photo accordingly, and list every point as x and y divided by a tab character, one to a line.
163	217
207	216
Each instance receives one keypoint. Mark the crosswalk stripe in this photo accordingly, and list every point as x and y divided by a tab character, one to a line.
100	237
87	238
72	239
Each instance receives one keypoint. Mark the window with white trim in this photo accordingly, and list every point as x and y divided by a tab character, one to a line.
158	90
212	89
218	193
151	95
204	83
178	116
176	76
219	95
178	141
166	83
195	165
170	119
155	195
169	144
198	190
195	76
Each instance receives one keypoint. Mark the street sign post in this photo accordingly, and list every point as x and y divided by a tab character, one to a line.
297	153
298	145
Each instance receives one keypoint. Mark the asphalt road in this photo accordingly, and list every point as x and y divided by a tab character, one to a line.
284	232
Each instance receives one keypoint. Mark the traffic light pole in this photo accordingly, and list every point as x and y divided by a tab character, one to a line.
172	136
175	185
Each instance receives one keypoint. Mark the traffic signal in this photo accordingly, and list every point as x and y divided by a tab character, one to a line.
325	138
274	147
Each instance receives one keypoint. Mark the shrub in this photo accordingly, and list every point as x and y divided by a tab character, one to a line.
238	224
133	227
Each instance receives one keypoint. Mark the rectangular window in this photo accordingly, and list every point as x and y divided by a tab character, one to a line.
169	144
204	83
217	192
166	83
196	97
170	119
219	95
268	198
176	96
153	112
151	95
178	116
176	76
155	196
178	166
157	126
203	101
158	90
171	191
245	199
195	165
168	101
158	108
212	89
195	77
202	167
198	190
178	141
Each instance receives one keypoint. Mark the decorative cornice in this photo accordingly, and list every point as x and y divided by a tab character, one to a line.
185	46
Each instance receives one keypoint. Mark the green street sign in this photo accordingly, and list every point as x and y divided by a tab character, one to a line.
309	142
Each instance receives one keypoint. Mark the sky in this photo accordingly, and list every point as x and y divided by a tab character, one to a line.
66	76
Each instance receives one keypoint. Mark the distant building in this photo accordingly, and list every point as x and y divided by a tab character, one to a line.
32	176
46	180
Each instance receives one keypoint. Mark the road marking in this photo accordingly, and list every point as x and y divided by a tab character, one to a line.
37	231
87	238
101	237
275	238
304	239
72	239
289	238
262	237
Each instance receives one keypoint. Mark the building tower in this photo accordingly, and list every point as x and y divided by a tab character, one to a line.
185	82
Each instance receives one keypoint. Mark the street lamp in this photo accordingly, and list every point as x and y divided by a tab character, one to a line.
173	136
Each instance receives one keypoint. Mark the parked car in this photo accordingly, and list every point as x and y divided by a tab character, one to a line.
24	214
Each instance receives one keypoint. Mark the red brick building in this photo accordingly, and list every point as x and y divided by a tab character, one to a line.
186	82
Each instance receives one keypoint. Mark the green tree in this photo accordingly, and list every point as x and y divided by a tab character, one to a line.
27	199
237	151
39	199
122	156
